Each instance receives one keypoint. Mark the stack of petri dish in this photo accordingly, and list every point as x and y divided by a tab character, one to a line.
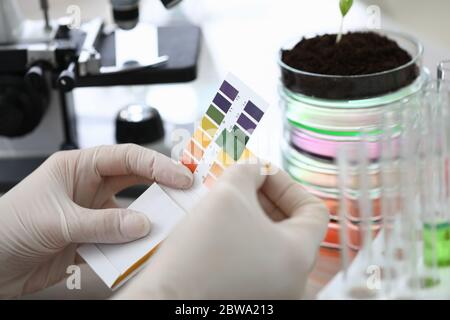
323	112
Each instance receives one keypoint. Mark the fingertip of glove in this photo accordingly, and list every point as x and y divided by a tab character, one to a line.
185	177
136	225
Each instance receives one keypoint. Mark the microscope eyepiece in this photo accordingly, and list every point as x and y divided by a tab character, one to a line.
126	12
126	19
170	3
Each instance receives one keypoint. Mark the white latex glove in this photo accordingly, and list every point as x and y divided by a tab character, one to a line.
252	237
63	203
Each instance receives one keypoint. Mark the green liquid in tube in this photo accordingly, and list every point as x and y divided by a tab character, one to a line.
442	236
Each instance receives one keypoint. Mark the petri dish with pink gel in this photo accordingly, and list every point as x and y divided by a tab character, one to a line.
329	147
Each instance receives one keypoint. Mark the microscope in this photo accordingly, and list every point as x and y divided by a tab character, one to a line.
43	61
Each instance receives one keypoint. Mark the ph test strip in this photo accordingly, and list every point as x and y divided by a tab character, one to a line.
220	140
227	89
222	102
254	111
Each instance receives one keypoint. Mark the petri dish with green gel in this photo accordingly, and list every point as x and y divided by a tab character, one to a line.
346	118
440	232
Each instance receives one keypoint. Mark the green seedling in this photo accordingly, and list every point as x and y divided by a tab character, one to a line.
345	6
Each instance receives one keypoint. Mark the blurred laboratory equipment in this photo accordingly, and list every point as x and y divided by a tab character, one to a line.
43	61
322	113
141	124
410	257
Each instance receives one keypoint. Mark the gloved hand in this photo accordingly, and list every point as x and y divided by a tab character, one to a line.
70	200
252	237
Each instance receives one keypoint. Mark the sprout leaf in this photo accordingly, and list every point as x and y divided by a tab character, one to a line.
345	6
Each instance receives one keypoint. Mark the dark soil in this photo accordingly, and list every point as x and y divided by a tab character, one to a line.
358	53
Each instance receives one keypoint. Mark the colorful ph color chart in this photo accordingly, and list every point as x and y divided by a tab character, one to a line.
220	140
